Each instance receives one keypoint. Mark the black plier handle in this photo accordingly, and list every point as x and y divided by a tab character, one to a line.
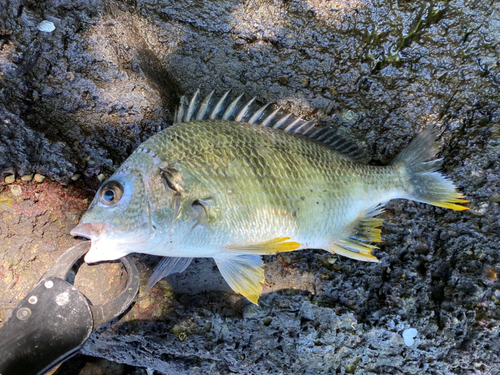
54	320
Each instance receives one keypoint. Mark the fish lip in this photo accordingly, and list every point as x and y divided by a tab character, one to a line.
92	231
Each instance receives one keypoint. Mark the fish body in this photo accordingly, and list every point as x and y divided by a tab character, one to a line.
215	185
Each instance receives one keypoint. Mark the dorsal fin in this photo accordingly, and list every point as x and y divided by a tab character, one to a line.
235	109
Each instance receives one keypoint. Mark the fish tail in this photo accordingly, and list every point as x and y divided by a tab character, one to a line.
423	182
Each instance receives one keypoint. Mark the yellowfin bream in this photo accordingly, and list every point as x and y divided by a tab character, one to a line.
234	181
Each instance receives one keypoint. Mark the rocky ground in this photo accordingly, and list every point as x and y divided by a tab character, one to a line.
77	100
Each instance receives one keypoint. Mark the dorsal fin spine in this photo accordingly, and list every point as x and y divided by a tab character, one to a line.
176	114
258	113
325	134
237	110
244	111
270	117
204	106
218	106
330	138
281	121
306	125
181	111
287	129
229	111
318	133
192	105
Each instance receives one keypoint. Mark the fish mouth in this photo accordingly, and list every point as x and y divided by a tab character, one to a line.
107	245
95	233
92	231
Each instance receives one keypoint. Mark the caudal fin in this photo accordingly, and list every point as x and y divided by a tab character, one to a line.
424	183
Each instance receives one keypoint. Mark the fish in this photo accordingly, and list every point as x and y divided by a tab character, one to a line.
233	180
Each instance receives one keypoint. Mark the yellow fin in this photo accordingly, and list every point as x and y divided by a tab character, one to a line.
244	274
276	245
364	228
423	181
355	250
449	202
368	230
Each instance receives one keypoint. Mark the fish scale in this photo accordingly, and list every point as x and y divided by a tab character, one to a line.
277	183
233	191
318	166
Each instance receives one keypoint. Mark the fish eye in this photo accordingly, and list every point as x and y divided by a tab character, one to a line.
111	192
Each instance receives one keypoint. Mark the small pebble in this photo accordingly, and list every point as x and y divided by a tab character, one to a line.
479	210
101	177
46	26
75	177
409	336
495	198
10	179
349	115
27	177
39	178
16	190
283	80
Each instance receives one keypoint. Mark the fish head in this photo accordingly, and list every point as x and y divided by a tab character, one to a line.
118	221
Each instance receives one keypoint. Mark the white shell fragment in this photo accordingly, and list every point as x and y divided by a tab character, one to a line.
46	26
409	336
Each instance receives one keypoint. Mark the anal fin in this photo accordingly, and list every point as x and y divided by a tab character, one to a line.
362	230
276	245
244	274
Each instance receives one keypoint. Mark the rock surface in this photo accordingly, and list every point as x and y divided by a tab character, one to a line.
74	102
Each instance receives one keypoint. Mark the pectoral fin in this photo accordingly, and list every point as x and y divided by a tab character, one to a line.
167	266
276	245
244	274
202	219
